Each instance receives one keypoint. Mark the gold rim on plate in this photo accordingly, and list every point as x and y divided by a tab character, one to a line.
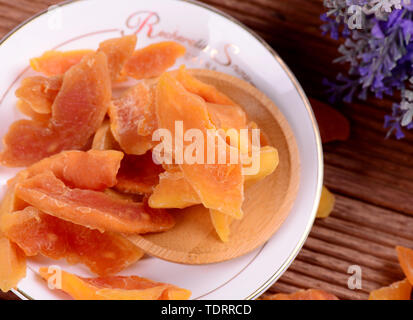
320	169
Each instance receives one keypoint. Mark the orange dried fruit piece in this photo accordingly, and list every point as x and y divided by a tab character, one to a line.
27	110
94	169
269	161
133	119
310	294
212	182
153	60
38	233
400	290
27	142
77	112
92	209
53	63
207	92
405	256
326	205
138	174
40	92
222	223
10	202
114	287
227	116
12	265
173	191
103	139
83	101
118	51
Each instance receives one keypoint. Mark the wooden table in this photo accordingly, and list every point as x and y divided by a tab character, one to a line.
371	177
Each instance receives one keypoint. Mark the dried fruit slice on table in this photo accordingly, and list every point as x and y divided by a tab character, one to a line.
326	205
405	256
212	182
92	209
53	63
138	174
153	60
118	51
77	112
40	92
38	233
400	290
133	119
310	294
115	287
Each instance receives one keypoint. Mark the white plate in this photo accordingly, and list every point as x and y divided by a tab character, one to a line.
214	40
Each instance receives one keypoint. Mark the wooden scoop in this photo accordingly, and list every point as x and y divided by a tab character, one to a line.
267	204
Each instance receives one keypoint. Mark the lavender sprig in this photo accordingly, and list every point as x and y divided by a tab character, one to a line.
378	47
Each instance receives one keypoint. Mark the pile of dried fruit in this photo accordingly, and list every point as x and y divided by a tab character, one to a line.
90	176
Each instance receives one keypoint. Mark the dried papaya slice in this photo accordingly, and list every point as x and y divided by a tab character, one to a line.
83	101
27	142
222	223
173	191
115	287
310	294
12	258
40	92
92	209
12	265
227	116
10	202
77	112
133	119
118	51
405	256
27	110
269	161
153	60
53	63
400	290
75	168
207	92
212	182
326	205
38	233
103	139
138	174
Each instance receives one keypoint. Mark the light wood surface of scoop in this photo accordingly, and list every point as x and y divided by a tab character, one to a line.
267	204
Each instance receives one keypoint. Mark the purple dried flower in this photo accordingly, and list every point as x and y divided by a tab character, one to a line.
380	54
